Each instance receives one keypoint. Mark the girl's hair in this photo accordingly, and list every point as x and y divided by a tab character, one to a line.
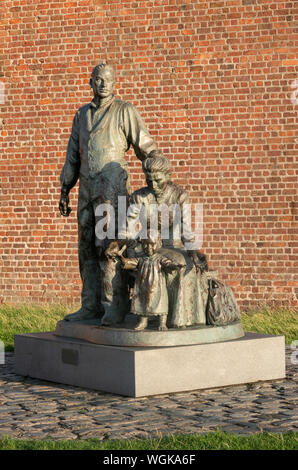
156	162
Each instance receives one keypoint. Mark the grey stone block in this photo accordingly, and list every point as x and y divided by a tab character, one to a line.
136	371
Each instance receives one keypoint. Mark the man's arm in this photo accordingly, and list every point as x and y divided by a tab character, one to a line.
136	132
71	169
129	263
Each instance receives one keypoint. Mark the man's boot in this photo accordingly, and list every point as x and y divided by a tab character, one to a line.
91	306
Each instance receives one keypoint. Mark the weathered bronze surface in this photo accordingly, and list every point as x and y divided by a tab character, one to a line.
149	296
125	334
171	282
102	132
152	275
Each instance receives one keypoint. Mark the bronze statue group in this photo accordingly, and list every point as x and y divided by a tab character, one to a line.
151	276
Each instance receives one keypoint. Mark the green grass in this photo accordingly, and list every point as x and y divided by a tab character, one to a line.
15	319
211	441
275	322
27	319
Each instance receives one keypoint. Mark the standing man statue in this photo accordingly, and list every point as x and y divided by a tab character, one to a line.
102	132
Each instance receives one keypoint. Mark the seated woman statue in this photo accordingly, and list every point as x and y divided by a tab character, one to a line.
152	206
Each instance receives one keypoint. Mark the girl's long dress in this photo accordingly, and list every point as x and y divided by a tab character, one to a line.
150	291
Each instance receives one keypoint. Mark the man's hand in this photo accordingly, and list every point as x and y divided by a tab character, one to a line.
199	260
64	208
113	250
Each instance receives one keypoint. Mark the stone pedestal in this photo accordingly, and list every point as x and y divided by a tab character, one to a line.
142	371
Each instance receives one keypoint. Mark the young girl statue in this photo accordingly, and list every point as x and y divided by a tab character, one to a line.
150	296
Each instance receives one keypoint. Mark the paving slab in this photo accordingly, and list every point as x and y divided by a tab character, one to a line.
32	408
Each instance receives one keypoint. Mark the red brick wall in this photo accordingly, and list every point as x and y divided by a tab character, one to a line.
213	81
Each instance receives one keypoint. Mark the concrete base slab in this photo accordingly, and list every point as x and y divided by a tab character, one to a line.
137	372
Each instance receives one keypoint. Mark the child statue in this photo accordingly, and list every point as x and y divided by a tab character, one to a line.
150	296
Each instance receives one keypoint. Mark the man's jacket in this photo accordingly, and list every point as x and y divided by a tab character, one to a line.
100	138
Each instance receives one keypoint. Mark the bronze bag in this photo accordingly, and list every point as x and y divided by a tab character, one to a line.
222	307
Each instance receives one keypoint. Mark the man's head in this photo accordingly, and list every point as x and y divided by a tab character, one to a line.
152	243
102	80
157	169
